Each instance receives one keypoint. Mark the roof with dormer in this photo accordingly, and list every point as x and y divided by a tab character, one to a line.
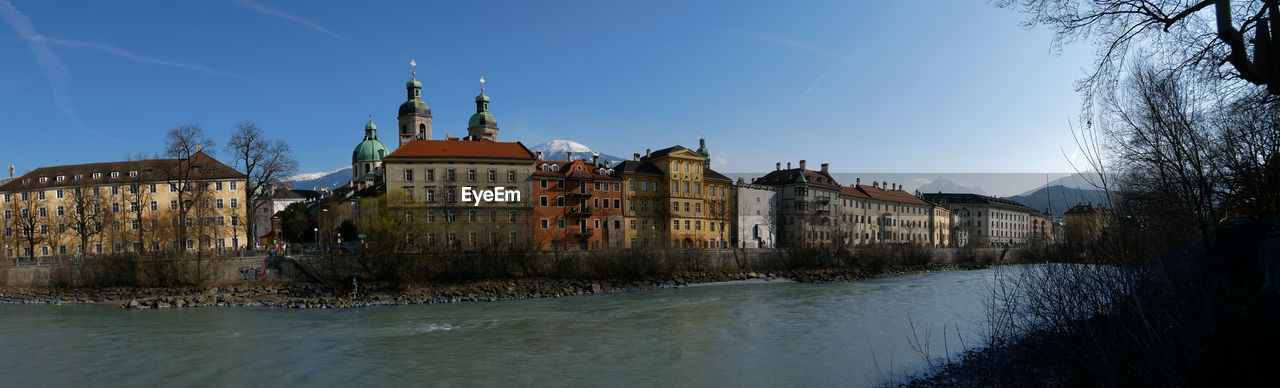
148	170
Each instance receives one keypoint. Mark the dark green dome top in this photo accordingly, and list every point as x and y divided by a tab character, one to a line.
413	83
702	149
415	107
482	119
369	127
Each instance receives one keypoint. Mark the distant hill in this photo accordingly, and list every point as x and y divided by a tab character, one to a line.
1083	181
331	179
1062	197
557	149
944	185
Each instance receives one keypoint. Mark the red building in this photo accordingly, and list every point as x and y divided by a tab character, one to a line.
576	205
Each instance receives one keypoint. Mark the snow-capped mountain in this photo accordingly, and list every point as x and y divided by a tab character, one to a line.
331	179
557	149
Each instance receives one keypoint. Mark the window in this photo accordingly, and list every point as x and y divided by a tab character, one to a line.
218	203
234	203
217	186
97	175
408	175
644	186
58	194
511	175
115	174
471	175
560	184
632	185
544	223
233	185
431	195
173	187
644	205
471	216
560	223
559	201
173	204
675	224
633	224
493	175
451	175
542	201
675	206
431	175
61	211
40	195
156	206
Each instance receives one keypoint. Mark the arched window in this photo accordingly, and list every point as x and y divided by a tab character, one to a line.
422	127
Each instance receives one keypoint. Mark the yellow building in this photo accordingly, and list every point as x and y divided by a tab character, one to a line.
1084	223
673	199
155	205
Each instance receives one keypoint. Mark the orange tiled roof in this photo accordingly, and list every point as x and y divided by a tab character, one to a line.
480	149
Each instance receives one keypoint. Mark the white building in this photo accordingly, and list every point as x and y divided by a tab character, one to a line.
757	215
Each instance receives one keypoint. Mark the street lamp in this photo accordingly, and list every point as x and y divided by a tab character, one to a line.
317	239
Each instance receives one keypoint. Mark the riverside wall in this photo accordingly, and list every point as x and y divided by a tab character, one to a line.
248	270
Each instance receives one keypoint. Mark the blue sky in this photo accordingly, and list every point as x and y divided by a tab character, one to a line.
898	86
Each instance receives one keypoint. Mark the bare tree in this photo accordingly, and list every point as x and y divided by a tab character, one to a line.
1199	34
81	217
264	162
24	211
185	144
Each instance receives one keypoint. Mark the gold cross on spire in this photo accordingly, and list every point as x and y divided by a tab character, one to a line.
412	68
481	84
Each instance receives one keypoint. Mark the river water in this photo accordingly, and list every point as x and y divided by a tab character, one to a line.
843	334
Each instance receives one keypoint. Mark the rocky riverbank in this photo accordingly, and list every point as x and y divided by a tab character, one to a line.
310	295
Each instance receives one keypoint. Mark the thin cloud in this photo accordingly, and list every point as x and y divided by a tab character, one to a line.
818	81
290	17
784	41
50	64
126	54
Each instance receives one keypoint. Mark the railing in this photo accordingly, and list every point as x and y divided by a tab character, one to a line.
581	194
583	232
581	212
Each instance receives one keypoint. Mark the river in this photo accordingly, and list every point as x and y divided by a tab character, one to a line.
793	334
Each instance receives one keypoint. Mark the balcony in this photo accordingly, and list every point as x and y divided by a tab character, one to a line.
580	195
580	212
582	232
822	200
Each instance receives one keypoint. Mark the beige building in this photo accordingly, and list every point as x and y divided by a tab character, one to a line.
986	220
884	213
156	205
444	184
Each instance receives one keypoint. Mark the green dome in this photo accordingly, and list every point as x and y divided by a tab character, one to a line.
369	150
413	82
370	126
482	119
415	107
482	98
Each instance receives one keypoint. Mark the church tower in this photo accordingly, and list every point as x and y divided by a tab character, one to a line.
482	124
415	115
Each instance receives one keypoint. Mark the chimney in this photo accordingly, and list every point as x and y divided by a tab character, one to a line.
539	155
646	153
11	171
801	164
595	159
859	180
568	156
788	165
635	156
779	168
742	180
824	168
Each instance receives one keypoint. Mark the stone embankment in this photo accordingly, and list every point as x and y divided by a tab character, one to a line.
309	295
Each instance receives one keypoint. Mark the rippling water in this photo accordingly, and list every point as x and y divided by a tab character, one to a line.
778	334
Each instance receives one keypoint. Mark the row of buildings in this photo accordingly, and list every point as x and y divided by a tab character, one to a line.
475	191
